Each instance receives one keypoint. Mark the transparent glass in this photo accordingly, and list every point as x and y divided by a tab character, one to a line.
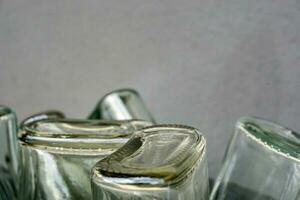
49	114
9	152
7	186
262	163
123	104
58	154
158	162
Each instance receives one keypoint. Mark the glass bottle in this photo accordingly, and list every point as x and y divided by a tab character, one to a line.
158	162
9	153
58	154
122	104
49	114
262	163
8	189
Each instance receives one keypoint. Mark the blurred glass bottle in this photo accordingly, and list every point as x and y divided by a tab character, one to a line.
122	104
158	162
58	154
9	152
262	163
48	114
8	189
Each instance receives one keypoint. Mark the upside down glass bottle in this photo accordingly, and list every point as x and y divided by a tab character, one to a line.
262	163
165	162
58	154
9	154
122	104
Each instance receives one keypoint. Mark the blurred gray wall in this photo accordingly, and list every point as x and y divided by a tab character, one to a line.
202	63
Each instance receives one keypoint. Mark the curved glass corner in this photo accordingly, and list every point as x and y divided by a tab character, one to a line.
122	104
158	162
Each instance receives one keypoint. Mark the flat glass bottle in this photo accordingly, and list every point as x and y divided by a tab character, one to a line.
262	163
159	162
122	104
58	154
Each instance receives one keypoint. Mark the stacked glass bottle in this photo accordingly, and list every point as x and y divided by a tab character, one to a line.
54	156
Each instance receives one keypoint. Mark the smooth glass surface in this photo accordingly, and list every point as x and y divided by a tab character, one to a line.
123	104
58	154
9	153
262	163
158	162
49	114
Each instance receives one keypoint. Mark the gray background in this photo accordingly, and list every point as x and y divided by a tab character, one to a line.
203	63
